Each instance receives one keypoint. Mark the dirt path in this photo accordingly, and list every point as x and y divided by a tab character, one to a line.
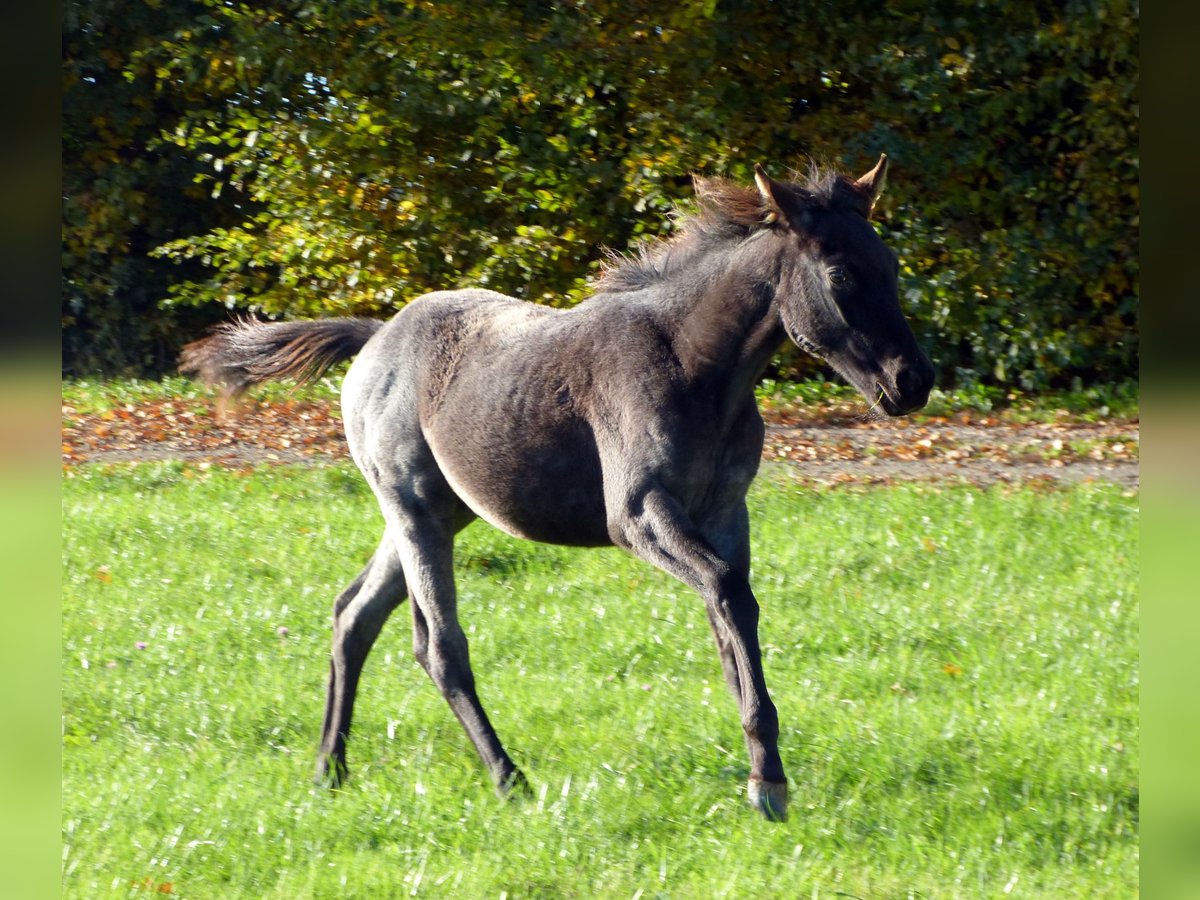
946	451
828	450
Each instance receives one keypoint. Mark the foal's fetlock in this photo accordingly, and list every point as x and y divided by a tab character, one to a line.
770	798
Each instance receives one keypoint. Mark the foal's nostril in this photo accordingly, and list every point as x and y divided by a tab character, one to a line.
910	381
914	382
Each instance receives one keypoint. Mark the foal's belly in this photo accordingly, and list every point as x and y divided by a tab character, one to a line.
544	487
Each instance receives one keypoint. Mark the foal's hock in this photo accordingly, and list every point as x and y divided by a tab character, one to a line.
628	420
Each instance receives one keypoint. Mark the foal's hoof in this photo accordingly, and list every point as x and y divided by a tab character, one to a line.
514	786
769	797
331	773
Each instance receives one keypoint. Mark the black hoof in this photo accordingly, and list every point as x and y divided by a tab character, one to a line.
515	786
769	798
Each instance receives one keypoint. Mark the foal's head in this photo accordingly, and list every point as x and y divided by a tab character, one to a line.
837	292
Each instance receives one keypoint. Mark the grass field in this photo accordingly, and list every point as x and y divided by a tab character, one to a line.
956	672
1119	400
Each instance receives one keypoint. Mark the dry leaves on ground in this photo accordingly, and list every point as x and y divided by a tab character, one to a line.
835	448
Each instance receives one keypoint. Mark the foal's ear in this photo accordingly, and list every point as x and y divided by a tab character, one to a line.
774	198
871	184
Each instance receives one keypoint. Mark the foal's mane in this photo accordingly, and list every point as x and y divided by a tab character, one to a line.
726	212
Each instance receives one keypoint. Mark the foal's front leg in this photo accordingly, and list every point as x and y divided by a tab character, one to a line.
652	525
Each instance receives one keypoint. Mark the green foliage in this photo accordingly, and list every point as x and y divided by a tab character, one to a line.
361	154
123	194
1023	252
956	672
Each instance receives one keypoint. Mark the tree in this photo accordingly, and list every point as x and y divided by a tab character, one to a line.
362	153
124	193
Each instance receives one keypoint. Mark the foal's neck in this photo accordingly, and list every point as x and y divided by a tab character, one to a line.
727	326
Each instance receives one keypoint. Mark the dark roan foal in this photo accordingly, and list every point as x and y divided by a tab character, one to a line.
628	420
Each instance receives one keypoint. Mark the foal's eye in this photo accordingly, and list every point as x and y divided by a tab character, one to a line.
838	276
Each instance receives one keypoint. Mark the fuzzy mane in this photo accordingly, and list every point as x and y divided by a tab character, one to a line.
726	211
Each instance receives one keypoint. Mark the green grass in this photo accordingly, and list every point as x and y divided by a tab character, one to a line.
97	395
1087	404
955	670
1116	401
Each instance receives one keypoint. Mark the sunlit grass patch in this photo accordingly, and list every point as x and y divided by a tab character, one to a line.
955	669
95	395
817	396
1119	400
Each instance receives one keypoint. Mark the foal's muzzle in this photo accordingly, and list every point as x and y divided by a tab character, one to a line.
910	383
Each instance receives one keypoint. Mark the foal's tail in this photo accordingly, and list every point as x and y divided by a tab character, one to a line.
247	352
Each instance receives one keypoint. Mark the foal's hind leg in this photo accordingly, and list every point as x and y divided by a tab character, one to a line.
358	616
439	643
